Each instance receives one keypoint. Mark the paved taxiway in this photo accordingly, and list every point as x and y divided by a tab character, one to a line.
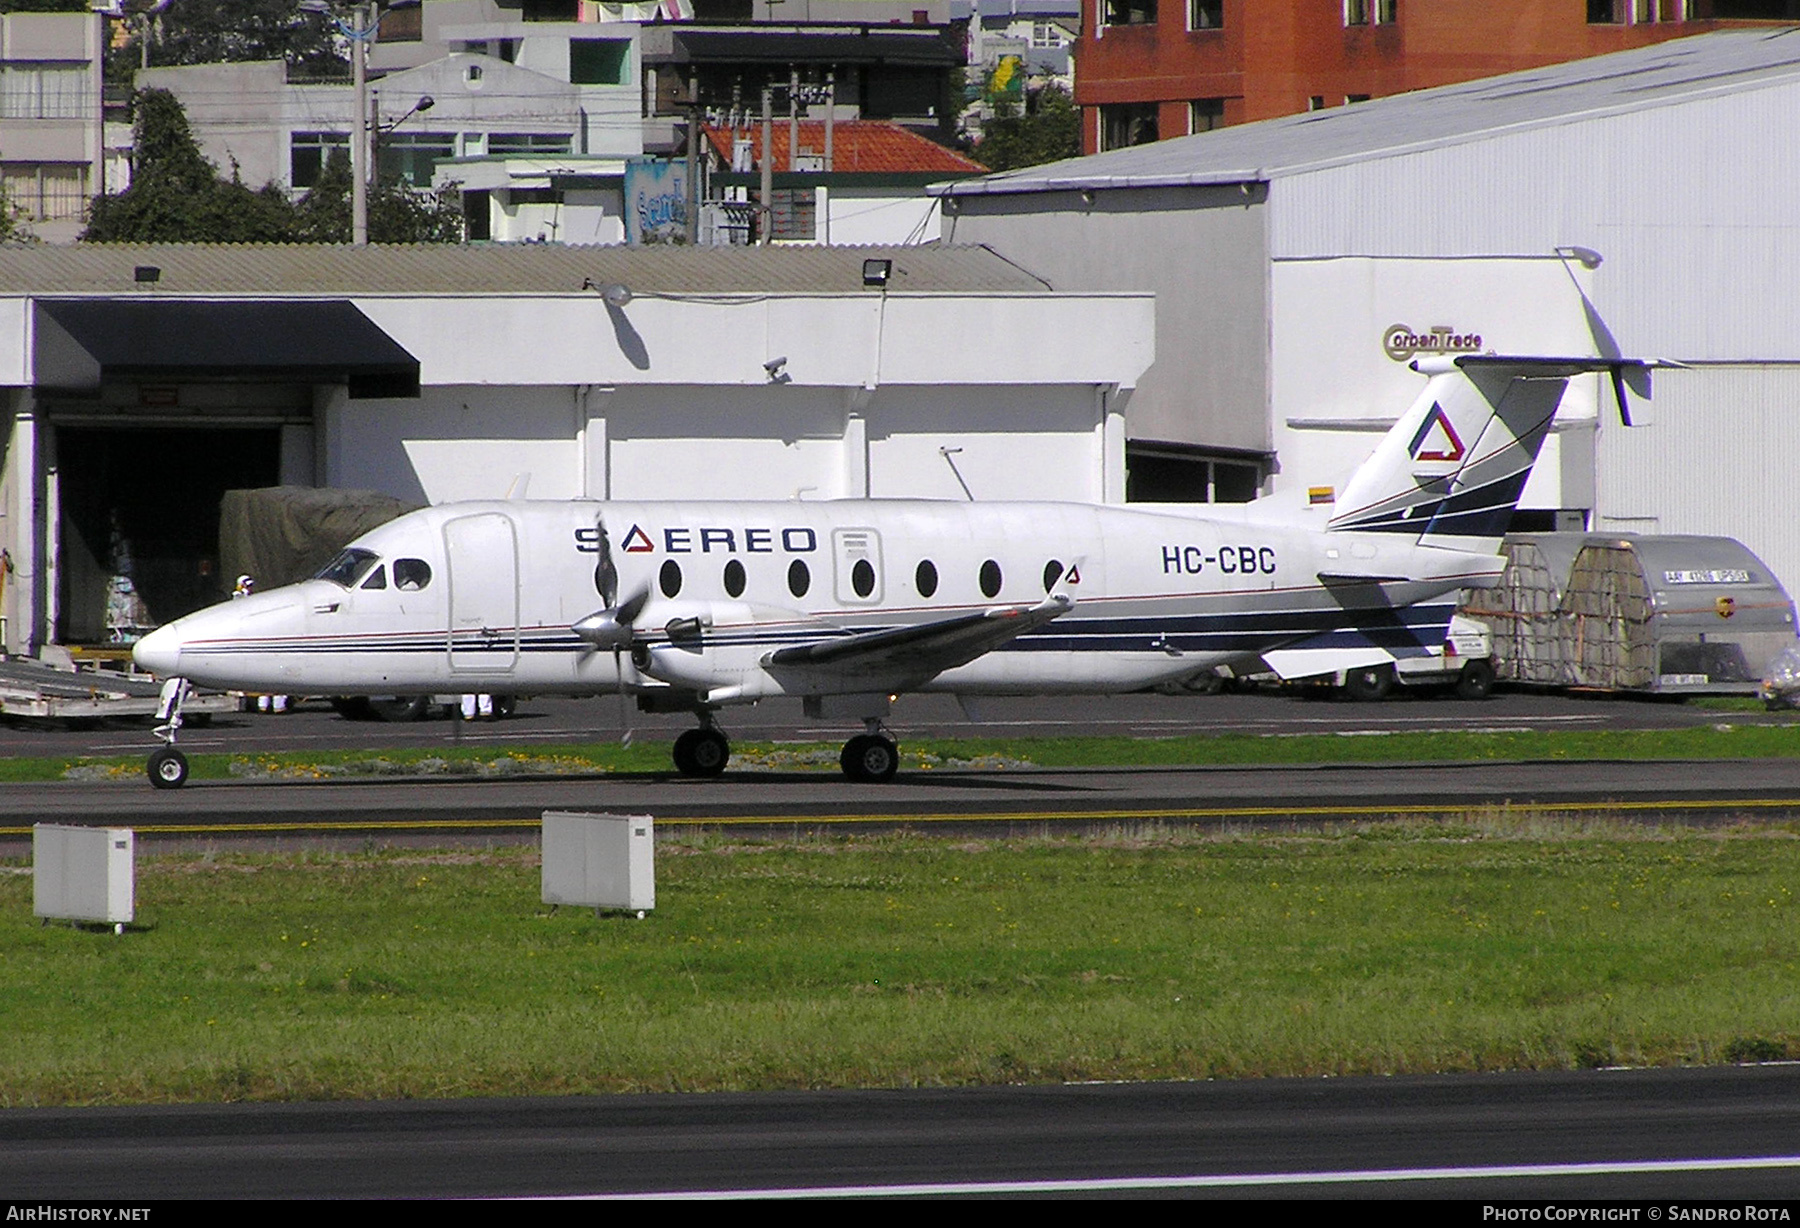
982	800
1666	1134
963	801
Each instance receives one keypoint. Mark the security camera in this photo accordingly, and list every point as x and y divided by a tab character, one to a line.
775	364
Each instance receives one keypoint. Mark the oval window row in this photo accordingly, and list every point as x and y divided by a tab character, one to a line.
862	578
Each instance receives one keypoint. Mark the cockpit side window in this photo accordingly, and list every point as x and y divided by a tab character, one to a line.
348	567
410	575
377	579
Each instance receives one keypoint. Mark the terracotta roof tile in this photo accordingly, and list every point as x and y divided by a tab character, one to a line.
857	146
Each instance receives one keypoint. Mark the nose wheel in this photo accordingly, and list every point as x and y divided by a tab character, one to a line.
702	752
168	767
870	758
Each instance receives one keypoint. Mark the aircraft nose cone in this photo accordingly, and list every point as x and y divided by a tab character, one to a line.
159	652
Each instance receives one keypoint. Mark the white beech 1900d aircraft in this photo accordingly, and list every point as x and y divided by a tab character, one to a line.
698	606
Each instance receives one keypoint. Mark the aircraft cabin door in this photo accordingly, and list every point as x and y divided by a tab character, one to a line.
482	551
856	554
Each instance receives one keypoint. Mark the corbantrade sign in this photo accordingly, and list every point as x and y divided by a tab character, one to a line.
1403	342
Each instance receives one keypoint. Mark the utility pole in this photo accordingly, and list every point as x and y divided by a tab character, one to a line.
693	162
364	19
793	117
766	210
359	140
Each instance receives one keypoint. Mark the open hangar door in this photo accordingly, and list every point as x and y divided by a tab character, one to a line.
157	406
140	516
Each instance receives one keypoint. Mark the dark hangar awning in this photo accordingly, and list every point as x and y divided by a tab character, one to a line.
80	344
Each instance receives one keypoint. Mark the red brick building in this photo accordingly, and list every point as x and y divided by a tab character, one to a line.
1152	69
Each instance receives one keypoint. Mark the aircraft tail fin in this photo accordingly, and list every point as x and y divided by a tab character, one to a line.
1451	470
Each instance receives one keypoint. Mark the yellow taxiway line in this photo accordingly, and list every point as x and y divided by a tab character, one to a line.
1138	813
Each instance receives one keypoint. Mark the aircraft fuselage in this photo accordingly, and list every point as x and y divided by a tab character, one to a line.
484	597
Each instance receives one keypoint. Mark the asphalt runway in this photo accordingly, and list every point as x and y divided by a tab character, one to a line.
1719	1133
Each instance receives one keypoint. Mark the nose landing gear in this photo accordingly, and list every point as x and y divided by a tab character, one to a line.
168	767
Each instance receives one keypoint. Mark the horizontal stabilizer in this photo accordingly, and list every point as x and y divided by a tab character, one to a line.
1330	578
927	649
1292	663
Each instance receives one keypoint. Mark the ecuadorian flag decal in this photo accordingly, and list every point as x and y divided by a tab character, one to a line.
1436	439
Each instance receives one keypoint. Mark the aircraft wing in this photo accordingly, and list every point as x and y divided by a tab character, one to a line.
927	649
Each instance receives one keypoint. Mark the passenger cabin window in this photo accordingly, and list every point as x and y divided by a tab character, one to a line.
799	578
862	578
410	575
377	578
669	579
925	578
734	579
1053	571
990	579
348	567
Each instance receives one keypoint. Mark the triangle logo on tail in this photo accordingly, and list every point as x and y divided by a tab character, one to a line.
1436	439
636	542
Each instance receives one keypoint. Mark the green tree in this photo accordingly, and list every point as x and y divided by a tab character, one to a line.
209	32
177	196
1049	131
397	213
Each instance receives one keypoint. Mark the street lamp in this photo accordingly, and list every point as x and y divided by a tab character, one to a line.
377	129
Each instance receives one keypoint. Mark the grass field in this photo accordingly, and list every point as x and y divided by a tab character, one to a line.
1721	740
1488	943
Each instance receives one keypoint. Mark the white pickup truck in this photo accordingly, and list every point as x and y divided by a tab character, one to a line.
1467	665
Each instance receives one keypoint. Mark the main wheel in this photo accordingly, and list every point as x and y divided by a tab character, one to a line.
1476	680
702	752
167	768
400	708
1371	682
870	759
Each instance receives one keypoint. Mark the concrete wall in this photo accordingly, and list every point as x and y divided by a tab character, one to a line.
836	341
668	398
892	215
1202	251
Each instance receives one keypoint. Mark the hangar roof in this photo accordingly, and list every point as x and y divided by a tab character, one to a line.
270	270
1707	65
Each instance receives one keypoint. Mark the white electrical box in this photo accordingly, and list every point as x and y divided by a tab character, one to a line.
83	873
599	860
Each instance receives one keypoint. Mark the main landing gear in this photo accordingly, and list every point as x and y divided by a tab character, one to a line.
702	752
168	767
868	758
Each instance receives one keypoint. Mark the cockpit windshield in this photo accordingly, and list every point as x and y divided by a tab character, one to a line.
349	566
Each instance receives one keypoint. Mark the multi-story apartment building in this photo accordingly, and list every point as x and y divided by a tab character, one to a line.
1148	70
51	159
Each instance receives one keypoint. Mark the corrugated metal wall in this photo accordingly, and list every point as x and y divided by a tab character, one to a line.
1695	207
1721	455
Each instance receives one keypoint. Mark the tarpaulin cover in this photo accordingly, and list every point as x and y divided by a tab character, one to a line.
281	534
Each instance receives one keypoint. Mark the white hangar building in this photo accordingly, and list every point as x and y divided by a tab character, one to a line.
142	382
1645	204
